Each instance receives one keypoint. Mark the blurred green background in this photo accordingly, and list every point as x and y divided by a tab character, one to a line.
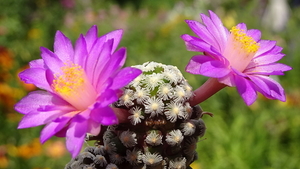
265	135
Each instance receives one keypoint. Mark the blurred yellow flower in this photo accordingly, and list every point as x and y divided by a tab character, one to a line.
292	99
3	158
12	150
171	24
32	149
3	162
34	33
229	19
195	165
55	149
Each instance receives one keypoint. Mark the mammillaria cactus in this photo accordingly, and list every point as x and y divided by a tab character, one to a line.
162	128
144	116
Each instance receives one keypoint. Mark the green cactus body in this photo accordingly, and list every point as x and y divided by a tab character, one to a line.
162	131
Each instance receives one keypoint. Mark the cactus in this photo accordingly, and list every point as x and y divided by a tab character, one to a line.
162	129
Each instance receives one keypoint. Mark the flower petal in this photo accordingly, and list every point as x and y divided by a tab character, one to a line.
245	89
219	25
114	64
51	60
242	26
91	37
106	98
94	127
92	61
228	80
37	99
269	69
195	44
215	69
207	66
76	132
255	34
38	63
36	118
116	35
265	46
202	32
260	84
52	128
62	132
276	90
216	32
63	47
265	59
36	76
81	53
104	115
75	136
102	62
124	77
196	62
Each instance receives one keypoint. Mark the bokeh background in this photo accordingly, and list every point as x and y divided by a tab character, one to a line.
265	135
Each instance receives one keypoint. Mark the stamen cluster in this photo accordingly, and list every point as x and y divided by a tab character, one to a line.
246	42
69	81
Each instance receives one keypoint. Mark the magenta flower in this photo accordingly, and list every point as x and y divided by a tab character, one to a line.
237	58
80	84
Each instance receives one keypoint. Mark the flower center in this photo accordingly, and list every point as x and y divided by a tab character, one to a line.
247	43
73	86
240	48
154	106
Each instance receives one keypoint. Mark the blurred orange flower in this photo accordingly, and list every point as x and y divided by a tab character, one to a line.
3	158
55	149
3	162
32	149
195	165
6	59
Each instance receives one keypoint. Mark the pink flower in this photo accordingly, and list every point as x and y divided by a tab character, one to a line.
79	85
236	58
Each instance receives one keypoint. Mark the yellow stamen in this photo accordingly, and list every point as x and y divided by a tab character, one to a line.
74	87
240	49
70	82
247	43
